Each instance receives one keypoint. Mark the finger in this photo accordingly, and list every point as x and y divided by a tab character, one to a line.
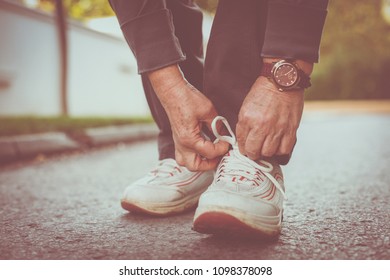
195	162
206	164
287	144
241	134
210	150
270	146
254	143
179	158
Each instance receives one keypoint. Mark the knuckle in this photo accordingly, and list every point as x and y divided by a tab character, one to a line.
241	117
289	128
267	153
253	155
292	138
277	135
246	117
191	168
241	148
180	160
294	126
185	141
240	140
208	105
284	151
282	127
263	120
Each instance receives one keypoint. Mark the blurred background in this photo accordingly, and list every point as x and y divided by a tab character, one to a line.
69	84
68	58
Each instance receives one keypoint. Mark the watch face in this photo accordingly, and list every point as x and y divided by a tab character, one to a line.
286	75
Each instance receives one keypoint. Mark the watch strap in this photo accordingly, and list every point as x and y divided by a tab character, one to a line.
266	70
304	81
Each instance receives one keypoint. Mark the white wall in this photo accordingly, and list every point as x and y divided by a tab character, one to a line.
102	70
104	77
29	61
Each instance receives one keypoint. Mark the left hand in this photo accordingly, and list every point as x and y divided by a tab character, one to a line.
268	120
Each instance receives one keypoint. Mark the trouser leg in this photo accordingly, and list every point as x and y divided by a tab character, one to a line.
233	57
187	20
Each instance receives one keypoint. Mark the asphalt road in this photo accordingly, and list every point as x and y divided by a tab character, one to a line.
338	185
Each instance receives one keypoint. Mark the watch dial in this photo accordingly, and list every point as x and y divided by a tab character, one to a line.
286	75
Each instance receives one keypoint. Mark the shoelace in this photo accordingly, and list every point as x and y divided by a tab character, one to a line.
166	168
243	162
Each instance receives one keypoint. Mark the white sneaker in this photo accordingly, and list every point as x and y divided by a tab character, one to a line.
168	189
245	198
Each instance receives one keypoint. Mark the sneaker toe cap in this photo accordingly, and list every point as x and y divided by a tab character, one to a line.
245	204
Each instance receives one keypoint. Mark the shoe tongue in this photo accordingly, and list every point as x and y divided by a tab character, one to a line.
242	177
237	185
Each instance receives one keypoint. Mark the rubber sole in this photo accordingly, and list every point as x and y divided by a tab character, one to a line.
159	213
220	223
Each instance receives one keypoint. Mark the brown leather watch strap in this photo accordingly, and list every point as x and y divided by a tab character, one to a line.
304	81
266	70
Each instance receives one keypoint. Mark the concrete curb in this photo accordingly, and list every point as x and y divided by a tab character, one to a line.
27	146
125	133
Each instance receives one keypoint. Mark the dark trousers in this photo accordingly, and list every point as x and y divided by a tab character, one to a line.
232	63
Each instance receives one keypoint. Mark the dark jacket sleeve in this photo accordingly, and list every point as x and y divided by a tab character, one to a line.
148	29
294	29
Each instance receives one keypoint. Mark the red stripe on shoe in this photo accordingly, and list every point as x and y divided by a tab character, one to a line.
191	180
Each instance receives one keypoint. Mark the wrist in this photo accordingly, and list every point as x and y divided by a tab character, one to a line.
166	79
270	88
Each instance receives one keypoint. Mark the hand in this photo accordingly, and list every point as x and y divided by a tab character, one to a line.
188	110
268	120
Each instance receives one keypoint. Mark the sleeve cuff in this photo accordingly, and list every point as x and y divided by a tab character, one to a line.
152	40
293	31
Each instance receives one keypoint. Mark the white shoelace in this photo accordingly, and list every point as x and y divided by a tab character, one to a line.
236	168
166	168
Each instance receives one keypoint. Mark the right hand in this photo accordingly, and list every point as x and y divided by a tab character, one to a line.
188	110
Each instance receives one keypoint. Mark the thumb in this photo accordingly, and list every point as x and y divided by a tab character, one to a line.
211	150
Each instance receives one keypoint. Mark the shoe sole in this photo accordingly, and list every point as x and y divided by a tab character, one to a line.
229	221
162	209
162	212
222	223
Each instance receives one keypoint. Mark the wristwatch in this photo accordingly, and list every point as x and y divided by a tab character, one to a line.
286	75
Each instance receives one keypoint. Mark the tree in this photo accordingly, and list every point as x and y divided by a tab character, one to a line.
354	53
79	9
63	46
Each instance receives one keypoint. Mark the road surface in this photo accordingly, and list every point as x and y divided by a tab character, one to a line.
338	185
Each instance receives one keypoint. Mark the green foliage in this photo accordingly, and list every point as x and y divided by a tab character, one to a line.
84	9
355	53
355	48
209	6
80	9
30	124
